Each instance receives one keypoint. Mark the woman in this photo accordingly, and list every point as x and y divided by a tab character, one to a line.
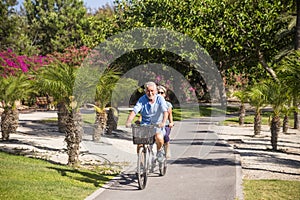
169	123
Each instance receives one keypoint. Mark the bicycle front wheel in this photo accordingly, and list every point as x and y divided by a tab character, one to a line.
163	165
142	175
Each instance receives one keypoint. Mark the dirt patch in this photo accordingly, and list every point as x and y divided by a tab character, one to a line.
258	159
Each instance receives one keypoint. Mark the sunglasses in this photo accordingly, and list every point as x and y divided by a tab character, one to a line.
160	92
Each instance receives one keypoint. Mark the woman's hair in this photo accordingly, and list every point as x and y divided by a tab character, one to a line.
160	87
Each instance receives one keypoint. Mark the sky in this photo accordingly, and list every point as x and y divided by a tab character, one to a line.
93	4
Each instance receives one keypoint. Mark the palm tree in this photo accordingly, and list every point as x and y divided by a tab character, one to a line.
289	75
286	110
103	96
242	96
257	99
112	120
58	80
276	96
12	88
123	88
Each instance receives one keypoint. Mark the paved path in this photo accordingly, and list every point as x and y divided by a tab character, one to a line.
201	167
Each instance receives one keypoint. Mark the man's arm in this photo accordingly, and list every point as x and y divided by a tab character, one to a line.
162	124
130	118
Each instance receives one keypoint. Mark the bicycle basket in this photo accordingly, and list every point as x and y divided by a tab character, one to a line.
143	134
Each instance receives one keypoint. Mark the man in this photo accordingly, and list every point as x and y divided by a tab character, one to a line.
154	110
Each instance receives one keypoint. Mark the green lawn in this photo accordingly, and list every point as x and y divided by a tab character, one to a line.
28	178
249	119
271	190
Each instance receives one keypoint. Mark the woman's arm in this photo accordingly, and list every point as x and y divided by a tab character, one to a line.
170	117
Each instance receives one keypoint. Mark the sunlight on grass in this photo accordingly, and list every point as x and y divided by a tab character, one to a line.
249	119
27	178
271	189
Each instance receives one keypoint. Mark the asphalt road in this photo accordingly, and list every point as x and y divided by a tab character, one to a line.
201	167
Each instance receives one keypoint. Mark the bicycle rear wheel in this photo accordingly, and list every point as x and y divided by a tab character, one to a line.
142	175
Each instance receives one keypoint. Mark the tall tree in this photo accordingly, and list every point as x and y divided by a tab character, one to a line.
13	29
240	34
8	24
55	24
297	48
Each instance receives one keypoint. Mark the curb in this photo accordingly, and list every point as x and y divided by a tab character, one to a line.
239	195
109	184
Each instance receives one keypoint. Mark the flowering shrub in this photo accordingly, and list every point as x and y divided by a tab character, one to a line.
11	63
72	55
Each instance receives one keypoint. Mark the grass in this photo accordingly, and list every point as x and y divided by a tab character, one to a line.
194	112
271	189
249	119
28	178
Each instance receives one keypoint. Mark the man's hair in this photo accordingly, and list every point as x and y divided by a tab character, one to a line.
150	83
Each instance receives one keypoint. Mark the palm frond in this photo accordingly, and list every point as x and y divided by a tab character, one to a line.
57	80
15	88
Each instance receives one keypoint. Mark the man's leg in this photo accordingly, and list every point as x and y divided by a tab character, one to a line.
138	148
159	139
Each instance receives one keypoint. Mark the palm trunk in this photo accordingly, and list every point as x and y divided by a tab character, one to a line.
62	116
275	128
73	131
112	120
297	47
257	123
296	120
285	125
242	114
100	125
9	122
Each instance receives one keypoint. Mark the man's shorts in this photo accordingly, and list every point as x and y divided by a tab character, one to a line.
161	131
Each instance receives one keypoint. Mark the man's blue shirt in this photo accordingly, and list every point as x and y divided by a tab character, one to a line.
151	113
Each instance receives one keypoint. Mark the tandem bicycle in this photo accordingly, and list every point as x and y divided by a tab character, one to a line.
144	137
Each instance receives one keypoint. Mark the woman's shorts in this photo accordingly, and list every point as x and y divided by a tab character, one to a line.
167	135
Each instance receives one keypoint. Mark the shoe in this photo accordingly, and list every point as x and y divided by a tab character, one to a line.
160	156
